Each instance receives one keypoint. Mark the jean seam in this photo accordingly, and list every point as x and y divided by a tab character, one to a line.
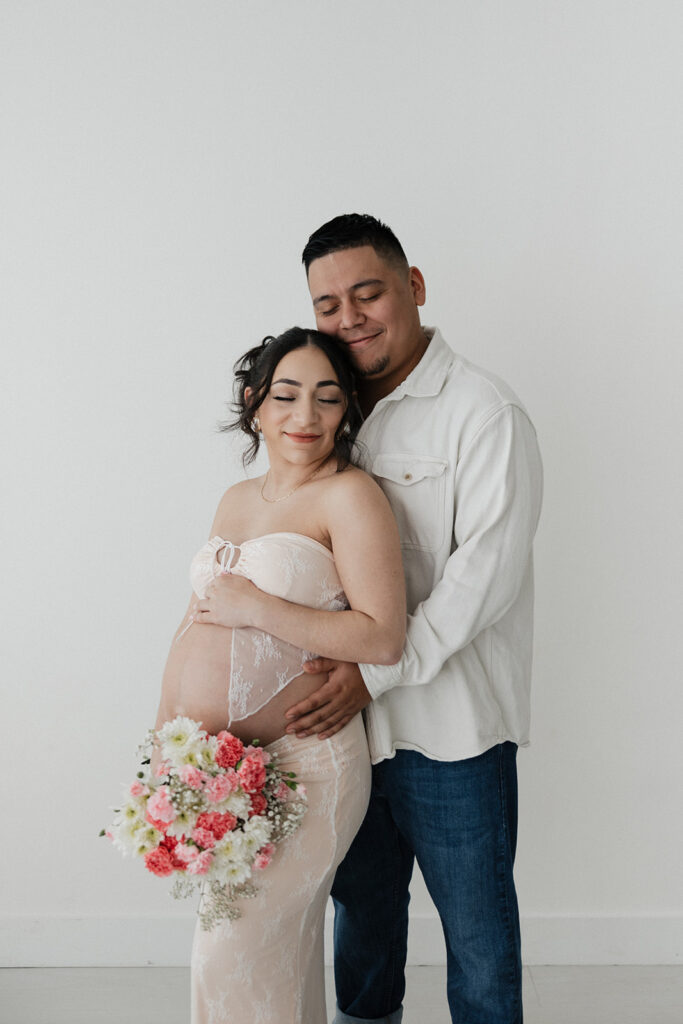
506	893
394	937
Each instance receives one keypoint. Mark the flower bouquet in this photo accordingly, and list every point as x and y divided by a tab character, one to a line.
210	814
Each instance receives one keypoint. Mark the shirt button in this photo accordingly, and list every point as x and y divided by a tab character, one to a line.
408	476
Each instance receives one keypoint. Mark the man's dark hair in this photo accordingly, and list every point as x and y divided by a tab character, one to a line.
255	369
350	231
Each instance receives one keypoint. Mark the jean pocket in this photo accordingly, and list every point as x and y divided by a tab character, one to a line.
415	487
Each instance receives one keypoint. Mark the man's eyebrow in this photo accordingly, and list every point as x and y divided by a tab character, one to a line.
359	284
297	383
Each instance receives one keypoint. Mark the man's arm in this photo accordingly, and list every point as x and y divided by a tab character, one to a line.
499	486
498	495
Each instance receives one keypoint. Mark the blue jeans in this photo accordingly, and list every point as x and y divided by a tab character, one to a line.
459	819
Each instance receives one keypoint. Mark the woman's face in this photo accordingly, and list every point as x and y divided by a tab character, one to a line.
302	411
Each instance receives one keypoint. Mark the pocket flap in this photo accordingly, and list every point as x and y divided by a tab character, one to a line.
407	469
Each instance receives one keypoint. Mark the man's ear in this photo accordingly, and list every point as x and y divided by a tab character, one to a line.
417	285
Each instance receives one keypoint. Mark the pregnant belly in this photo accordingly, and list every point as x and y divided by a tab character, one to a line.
197	684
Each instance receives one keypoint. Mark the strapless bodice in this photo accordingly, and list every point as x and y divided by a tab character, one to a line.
288	565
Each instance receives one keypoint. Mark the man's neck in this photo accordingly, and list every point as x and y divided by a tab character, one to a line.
372	389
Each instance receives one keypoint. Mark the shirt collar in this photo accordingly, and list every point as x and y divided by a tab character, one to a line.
428	377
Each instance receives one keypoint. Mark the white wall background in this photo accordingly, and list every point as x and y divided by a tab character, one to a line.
164	164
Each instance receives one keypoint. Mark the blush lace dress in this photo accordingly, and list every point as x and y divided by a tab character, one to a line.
266	967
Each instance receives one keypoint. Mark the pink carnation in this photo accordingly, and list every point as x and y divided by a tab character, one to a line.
185	854
201	863
229	751
137	789
159	862
204	837
217	823
258	752
282	792
162	769
159	805
171	844
192	776
221	786
252	773
258	804
264	856
160	826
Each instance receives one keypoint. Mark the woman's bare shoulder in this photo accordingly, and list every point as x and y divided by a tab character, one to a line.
237	497
353	487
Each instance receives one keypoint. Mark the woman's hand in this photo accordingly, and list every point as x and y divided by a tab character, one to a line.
230	601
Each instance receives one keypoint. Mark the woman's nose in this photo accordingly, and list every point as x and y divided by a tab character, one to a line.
306	411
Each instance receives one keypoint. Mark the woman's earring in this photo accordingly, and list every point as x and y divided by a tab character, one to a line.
256	426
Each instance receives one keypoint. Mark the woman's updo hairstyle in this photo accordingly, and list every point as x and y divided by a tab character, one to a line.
255	369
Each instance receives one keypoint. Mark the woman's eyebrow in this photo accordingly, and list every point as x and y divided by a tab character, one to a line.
297	383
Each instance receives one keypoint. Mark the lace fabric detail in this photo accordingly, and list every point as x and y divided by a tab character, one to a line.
287	565
267	967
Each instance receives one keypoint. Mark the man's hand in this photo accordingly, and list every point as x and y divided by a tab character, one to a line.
230	601
332	705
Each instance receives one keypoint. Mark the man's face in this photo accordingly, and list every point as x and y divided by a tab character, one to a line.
371	306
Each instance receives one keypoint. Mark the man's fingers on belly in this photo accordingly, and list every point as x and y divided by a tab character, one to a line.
307	705
337	727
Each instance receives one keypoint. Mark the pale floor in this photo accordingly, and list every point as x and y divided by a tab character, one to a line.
159	995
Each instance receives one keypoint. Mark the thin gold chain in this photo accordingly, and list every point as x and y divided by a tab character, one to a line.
273	501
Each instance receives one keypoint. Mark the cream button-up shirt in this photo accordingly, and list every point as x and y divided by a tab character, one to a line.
456	454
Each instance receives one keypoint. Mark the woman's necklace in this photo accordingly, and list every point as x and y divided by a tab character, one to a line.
273	501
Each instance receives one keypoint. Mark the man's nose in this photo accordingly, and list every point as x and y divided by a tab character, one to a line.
351	315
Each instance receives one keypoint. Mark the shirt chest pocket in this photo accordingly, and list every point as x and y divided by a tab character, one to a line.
415	487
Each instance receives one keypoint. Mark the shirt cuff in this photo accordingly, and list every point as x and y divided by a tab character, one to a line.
380	678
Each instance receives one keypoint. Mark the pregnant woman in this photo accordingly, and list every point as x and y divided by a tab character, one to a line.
304	560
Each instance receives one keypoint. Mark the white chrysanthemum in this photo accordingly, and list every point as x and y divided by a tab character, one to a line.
225	849
178	739
133	812
234	872
237	803
148	834
207	754
256	832
143	846
183	824
124	837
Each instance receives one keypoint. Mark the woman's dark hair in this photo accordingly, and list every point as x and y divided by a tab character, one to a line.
255	369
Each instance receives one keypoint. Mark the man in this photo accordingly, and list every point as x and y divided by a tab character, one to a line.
456	454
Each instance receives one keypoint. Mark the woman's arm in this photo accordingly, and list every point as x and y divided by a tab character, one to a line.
367	554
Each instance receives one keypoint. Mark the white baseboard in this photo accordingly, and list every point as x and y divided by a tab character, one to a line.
166	941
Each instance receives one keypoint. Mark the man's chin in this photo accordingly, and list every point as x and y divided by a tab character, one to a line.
372	369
